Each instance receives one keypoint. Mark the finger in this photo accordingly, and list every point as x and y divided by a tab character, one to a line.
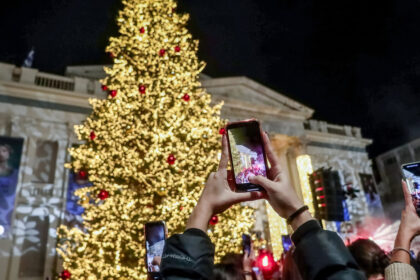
230	179
247	196
211	176
262	181
271	155
224	159
407	195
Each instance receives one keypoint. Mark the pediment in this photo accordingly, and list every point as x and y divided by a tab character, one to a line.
246	93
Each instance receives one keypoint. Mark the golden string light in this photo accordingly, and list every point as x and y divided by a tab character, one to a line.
148	148
304	166
278	227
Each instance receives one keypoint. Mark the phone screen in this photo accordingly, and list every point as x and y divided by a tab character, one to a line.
246	244
411	172
287	242
247	153
155	241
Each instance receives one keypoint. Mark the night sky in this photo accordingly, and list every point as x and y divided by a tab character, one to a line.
355	62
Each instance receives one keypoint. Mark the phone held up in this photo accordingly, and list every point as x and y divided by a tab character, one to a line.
247	153
246	244
411	173
155	236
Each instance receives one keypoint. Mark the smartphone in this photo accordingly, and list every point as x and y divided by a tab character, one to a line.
247	154
155	236
287	242
246	244
411	173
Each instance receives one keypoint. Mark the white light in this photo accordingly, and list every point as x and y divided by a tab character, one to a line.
1	229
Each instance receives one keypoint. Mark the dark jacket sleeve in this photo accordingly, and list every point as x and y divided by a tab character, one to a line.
321	254
188	256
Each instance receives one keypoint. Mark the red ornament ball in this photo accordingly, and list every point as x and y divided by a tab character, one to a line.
113	93
162	52
186	97
222	131
103	194
171	159
142	89
92	135
214	220
104	87
177	48
82	174
142	30
181	208
65	274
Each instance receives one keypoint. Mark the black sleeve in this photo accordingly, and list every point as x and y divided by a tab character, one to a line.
188	256
321	254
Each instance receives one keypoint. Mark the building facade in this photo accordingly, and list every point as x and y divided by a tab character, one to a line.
39	111
389	168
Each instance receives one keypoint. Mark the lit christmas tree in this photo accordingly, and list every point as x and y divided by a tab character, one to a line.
149	148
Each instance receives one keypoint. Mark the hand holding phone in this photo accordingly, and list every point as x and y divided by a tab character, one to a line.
247	155
155	236
280	193
246	244
411	173
217	196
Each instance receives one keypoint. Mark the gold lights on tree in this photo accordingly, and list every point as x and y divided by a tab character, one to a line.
148	148
304	166
277	227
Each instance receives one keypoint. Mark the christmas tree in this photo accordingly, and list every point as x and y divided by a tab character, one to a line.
148	148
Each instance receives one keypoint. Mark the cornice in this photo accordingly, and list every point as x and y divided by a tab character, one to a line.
21	90
331	138
260	89
235	104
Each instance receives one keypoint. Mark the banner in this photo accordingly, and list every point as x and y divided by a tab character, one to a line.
10	155
372	197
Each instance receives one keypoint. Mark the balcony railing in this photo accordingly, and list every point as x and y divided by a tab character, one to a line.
30	76
53	81
323	126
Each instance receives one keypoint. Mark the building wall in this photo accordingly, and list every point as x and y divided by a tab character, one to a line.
40	193
389	168
43	108
349	164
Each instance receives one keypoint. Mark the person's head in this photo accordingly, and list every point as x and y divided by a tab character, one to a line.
227	271
290	269
232	258
370	257
5	151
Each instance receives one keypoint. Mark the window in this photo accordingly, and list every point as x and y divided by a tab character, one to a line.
44	162
34	247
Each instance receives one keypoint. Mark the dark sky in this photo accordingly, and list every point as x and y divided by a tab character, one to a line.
355	62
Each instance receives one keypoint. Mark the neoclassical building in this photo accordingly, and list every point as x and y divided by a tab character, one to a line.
41	109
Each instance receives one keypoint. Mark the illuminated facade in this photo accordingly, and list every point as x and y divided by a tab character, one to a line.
42	109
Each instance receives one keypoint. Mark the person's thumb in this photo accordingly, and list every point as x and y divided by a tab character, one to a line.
247	196
262	181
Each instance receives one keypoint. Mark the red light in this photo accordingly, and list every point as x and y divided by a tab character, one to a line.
265	261
319	189
323	204
321	196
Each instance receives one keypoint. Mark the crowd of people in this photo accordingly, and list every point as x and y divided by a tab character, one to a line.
316	253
